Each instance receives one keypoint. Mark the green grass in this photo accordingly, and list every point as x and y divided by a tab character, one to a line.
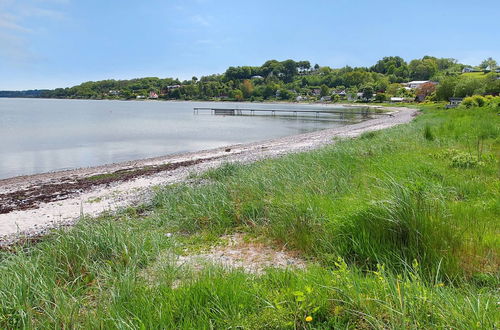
474	74
400	228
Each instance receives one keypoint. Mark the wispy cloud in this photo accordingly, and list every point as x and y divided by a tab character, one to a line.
17	25
202	20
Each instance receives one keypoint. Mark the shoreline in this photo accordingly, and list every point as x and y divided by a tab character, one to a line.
30	206
23	177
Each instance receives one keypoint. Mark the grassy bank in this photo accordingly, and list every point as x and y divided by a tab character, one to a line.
399	227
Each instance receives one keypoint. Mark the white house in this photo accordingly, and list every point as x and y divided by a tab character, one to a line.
400	99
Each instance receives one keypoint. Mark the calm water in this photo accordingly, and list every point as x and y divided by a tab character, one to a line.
38	135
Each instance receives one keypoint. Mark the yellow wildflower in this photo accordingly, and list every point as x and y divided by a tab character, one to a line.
309	319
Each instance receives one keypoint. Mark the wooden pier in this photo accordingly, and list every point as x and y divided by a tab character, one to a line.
247	111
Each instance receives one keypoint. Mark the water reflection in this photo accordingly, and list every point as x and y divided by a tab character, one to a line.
38	135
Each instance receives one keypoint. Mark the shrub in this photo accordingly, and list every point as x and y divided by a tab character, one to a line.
479	100
468	102
464	160
475	101
381	97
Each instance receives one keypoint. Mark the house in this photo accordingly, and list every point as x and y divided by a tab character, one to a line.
454	102
468	69
325	98
140	97
354	96
153	95
340	93
400	99
316	91
397	99
114	92
417	83
257	77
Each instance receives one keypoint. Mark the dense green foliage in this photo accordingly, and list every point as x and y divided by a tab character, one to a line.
288	79
27	93
400	228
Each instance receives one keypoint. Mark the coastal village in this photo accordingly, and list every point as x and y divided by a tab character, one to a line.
415	91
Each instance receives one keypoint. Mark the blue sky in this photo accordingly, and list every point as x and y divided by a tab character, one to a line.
59	43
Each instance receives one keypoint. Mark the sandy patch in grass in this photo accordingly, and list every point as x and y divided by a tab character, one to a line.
239	253
233	252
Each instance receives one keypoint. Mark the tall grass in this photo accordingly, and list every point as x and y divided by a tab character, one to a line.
397	236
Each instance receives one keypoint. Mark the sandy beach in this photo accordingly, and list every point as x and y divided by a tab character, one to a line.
30	206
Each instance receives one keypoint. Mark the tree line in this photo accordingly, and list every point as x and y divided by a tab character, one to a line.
286	80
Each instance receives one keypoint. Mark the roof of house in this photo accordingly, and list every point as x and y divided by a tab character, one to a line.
419	82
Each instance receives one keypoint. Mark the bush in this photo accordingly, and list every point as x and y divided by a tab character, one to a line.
479	100
464	160
475	101
468	102
381	97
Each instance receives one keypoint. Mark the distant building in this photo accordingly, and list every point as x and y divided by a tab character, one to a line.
354	96
340	93
454	102
153	95
140	97
257	77
400	99
417	83
468	69
316	91
113	92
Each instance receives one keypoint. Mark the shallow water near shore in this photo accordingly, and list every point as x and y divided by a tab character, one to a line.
41	135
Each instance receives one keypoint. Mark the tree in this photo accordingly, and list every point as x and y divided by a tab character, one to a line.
237	94
425	90
469	86
380	97
269	91
393	89
492	84
423	69
367	93
488	63
303	65
324	90
392	65
247	88
285	94
357	78
446	88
